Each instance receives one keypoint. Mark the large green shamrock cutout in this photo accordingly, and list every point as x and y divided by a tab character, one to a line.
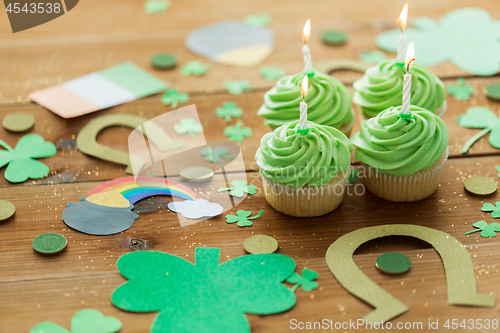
156	6
481	117
272	72
262	19
237	87
206	297
21	160
494	209
228	110
84	321
238	133
487	230
174	97
467	37
461	91
189	126
305	281
239	188
195	67
243	217
214	155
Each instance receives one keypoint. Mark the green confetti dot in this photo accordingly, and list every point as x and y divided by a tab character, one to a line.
393	263
7	209
164	60
334	37
18	121
493	91
480	185
49	243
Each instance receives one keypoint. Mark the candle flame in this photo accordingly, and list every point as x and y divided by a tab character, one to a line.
307	31
402	17
410	56
304	86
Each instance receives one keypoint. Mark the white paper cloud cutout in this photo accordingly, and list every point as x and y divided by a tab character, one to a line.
195	209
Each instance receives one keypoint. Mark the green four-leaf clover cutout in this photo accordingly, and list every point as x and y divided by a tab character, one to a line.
239	188
228	110
84	321
481	117
494	209
487	230
195	67
174	97
189	126
305	281
461	91
243	218
237	133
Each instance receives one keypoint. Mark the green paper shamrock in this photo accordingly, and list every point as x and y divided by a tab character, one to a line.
206	297
498	169
84	321
353	175
494	209
228	110
372	57
173	97
237	87
481	117
156	6
196	68
237	133
305	281
272	72
242	217
189	126
214	155
487	230
263	19
461	91
239	188
21	160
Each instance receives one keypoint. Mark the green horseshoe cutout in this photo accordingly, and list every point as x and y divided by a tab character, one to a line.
460	277
86	140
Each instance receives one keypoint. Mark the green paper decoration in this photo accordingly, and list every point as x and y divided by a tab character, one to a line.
242	217
334	37
493	91
237	87
163	60
84	321
214	155
49	243
195	68
237	133
21	160
372	57
174	97
498	169
239	188
305	281
7	209
271	73
189	126
156	6
263	19
467	37
228	110
494	209
206	297
393	263
353	175
487	230
461	91
481	117
18	121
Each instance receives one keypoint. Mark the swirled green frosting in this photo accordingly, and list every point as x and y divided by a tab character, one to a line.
294	159
328	102
401	147
382	87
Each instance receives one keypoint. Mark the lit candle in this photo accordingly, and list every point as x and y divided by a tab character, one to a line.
402	38
303	105
306	51
410	57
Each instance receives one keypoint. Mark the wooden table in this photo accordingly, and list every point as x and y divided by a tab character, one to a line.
97	34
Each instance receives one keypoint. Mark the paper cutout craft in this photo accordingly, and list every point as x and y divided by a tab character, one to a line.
242	217
22	163
461	91
481	117
493	91
239	188
467	37
372	57
305	281
49	243
87	143
18	121
460	275
259	244
263	19
195	67
206	297
228	110
174	97
498	169
163	60
354	174
237	87
84	321
214	155
156	6
480	185
189	126
333	37
393	263
112	86
7	209
200	208
328	66
232	43
237	133
494	209
271	73
487	230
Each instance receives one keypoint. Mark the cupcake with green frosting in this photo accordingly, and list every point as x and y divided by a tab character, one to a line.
402	159
328	102
304	174
382	87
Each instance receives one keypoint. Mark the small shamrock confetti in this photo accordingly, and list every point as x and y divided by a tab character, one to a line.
196	68
372	57
156	6
173	97
272	72
498	169
481	117
237	133
242	217
461	91
305	281
262	19
494	209
353	175
214	155
487	230
189	126
239	188
237	87
84	321
228	110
